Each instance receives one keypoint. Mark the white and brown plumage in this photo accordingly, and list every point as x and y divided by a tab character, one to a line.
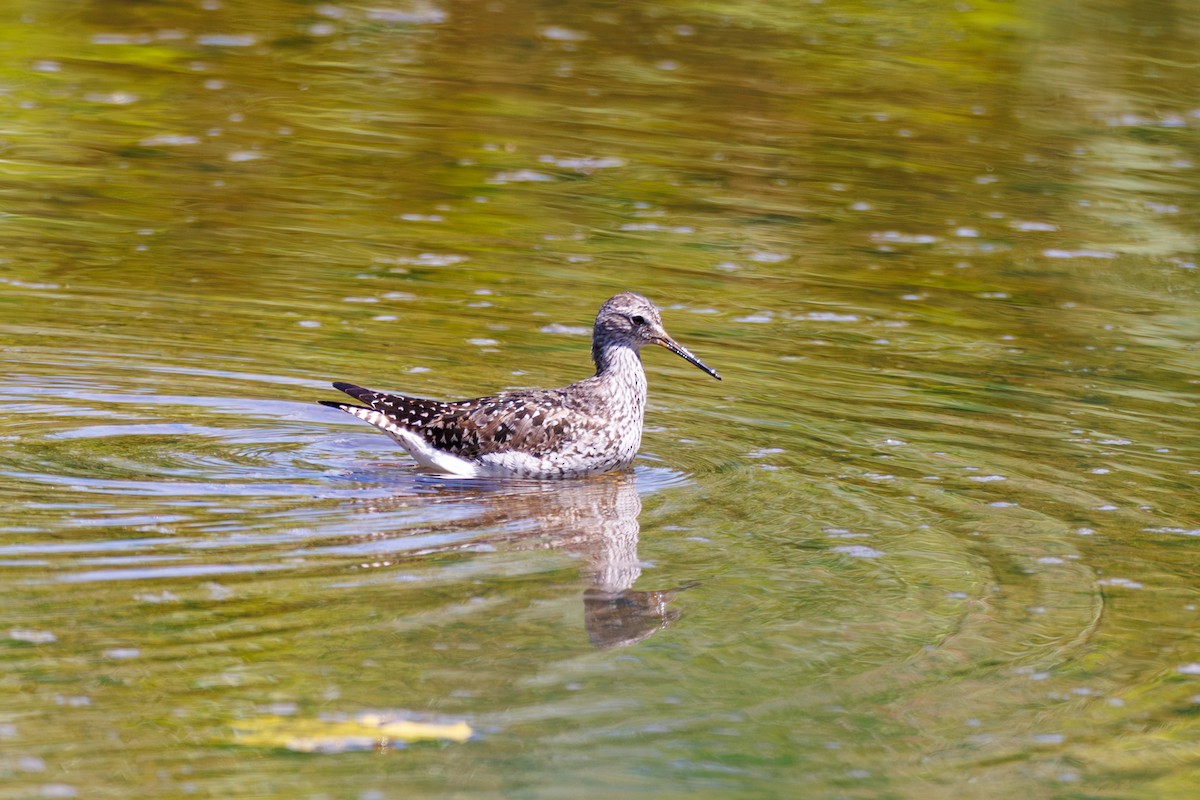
587	428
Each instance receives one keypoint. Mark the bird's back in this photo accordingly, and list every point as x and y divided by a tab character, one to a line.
540	420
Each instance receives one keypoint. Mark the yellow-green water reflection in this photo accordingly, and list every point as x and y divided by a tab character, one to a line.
934	534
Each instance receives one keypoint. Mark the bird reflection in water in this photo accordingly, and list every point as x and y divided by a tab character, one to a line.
595	518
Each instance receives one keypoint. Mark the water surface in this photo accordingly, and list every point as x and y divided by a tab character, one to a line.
934	534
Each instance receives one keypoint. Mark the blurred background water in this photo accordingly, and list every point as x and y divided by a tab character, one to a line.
933	535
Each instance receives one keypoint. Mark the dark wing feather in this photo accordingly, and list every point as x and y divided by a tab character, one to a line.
524	421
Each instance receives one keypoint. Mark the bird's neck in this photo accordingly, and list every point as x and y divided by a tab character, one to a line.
620	390
620	363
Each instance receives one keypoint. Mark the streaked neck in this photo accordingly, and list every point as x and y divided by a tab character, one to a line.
619	362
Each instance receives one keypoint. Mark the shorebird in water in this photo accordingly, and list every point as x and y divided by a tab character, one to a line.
590	427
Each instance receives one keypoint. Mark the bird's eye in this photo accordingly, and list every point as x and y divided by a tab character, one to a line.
639	320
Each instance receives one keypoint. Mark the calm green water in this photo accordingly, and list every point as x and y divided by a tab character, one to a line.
935	534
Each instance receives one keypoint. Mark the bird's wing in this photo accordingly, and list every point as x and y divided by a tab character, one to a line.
523	421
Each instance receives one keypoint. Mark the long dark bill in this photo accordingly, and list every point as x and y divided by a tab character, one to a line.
681	351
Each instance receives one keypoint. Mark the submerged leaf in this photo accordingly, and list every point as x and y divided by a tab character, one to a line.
367	731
